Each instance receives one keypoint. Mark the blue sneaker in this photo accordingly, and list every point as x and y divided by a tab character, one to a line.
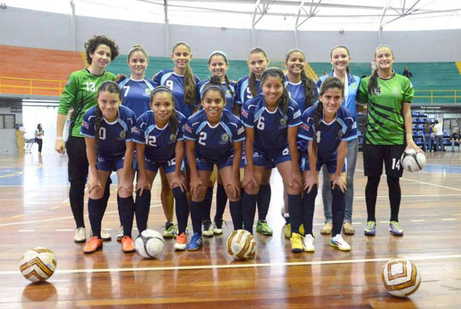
370	230
395	229
195	243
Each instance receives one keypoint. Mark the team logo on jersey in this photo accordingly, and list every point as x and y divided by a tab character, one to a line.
244	113
85	124
340	134
354	86
135	131
147	91
67	83
187	128
396	90
224	138
172	137
122	135
283	122
305	127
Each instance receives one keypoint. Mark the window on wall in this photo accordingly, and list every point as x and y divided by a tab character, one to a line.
7	121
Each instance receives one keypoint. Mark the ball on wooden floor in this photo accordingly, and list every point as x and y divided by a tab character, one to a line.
149	244
241	245
400	277
38	264
413	161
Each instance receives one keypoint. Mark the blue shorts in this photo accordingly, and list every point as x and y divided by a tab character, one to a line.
331	165
109	165
153	166
260	158
207	165
243	162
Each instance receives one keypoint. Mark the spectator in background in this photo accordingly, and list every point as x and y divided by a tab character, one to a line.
407	73
438	131
39	137
325	73
455	140
428	139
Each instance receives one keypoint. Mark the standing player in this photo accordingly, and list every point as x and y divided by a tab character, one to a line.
218	65
327	128
303	91
159	138
340	59
80	94
109	147
271	122
248	87
136	91
181	82
389	132
214	136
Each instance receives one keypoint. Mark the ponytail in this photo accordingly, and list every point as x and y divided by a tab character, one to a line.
98	123
317	118
226	79
189	80
309	89
373	83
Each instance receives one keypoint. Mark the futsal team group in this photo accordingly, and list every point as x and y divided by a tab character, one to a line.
198	133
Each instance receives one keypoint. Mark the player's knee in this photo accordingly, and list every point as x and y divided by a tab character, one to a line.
124	191
96	193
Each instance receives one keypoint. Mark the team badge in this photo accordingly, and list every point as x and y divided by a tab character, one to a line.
340	134
224	137
172	137
396	89
148	91
122	134
283	122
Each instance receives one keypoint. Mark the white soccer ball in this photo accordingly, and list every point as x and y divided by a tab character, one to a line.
149	244
241	245
38	264
413	161
400	277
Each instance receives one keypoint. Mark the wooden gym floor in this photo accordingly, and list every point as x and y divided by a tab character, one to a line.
35	211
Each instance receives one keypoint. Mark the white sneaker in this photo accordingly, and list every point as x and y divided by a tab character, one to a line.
80	235
120	234
338	242
308	243
104	235
207	228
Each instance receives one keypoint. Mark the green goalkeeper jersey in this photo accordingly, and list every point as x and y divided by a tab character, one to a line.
80	93
385	122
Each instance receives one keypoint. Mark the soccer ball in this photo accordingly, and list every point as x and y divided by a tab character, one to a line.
149	244
413	161
400	277
38	264
241	245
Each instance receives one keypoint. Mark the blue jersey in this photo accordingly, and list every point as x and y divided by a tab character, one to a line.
112	136
270	128
328	135
229	96
350	92
298	94
214	142
176	84
243	92
136	94
160	142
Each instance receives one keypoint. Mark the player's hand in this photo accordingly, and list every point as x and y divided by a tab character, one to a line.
296	178
310	181
340	182
412	145
249	179
142	184
234	184
178	181
60	146
196	186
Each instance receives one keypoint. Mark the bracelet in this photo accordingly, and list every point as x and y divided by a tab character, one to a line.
59	138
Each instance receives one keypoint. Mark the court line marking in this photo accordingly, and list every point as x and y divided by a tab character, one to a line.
449	219
243	265
11	174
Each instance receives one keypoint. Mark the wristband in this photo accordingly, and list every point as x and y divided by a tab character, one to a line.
59	138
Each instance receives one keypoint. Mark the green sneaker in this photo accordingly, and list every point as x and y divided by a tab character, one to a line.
169	230
263	228
370	230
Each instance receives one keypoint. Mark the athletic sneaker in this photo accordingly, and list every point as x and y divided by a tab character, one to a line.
370	230
80	235
207	228
93	244
263	228
395	229
308	243
127	244
326	229
288	230
296	243
217	226
195	243
338	242
181	242
120	233
169	230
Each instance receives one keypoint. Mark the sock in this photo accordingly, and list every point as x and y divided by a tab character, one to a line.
338	207
295	207
76	197
182	209
395	195
308	210
106	195
196	214
249	210
96	212
236	214
141	209
207	204
221	201
264	200
371	193
126	208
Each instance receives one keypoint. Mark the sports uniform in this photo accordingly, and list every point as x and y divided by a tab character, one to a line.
136	94
243	92
229	97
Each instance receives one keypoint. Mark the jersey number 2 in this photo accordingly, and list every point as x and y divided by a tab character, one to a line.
202	138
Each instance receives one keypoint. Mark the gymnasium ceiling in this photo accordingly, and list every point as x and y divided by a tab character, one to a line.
308	15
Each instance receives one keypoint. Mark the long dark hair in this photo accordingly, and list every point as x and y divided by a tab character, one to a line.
110	87
226	79
373	83
174	119
189	80
285	98
252	77
329	82
307	82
